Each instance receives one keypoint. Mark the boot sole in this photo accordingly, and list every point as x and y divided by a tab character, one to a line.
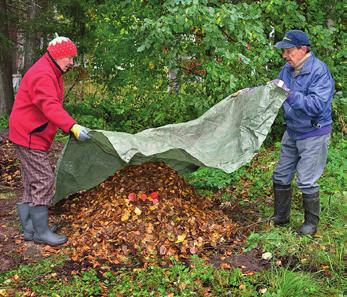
47	243
308	233
28	237
281	224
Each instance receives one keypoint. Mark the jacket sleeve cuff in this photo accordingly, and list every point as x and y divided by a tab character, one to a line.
291	98
67	127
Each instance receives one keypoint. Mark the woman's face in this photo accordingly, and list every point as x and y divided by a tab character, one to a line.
65	63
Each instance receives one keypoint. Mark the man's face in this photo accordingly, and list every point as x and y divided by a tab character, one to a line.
294	55
65	63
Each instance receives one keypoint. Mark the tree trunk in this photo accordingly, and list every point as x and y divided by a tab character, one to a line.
30	42
6	48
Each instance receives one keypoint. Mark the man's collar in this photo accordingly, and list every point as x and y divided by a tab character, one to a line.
307	67
302	62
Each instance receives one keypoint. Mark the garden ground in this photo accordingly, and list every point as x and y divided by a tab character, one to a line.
293	266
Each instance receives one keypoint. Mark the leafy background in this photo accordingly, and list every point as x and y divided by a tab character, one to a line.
210	49
213	48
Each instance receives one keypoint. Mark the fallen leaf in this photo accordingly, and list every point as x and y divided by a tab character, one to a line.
153	207
181	238
137	211
125	216
154	195
132	197
262	290
162	250
266	256
193	250
225	265
143	197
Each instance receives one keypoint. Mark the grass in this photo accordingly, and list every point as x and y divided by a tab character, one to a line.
300	266
286	283
178	280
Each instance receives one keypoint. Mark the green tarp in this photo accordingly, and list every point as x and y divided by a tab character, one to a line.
226	137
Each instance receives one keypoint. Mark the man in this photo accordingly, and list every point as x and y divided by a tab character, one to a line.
307	112
36	115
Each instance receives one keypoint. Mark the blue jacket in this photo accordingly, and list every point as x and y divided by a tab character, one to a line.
307	110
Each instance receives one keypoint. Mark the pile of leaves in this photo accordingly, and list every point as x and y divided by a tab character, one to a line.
144	214
10	177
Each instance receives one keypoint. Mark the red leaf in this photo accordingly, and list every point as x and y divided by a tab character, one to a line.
132	197
143	197
154	195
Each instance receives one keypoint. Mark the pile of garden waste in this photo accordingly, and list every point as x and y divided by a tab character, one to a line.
144	214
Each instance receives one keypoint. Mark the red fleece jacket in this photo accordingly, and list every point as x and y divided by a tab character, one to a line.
38	109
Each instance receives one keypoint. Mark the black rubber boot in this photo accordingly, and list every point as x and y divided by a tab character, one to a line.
42	234
26	222
282	203
311	203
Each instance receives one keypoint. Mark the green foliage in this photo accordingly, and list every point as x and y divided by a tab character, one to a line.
85	284
334	183
214	35
303	253
29	274
213	178
178	280
199	41
288	283
340	112
3	122
129	114
61	137
212	48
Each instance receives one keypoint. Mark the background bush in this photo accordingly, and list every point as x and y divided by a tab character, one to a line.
214	48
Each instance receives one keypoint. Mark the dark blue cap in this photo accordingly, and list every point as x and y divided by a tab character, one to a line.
293	38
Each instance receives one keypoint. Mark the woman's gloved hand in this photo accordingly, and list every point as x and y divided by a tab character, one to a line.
80	132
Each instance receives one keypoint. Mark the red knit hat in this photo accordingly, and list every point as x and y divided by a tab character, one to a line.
62	47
